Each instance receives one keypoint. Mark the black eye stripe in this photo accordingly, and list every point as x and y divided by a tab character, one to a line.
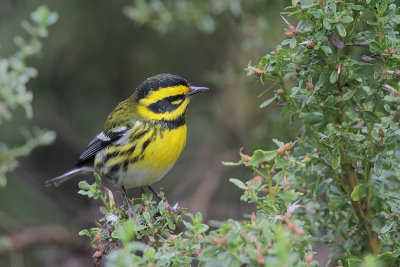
165	104
174	98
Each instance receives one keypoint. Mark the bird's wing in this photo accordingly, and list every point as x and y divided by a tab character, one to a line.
98	143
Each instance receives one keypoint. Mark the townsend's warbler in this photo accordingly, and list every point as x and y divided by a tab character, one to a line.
142	138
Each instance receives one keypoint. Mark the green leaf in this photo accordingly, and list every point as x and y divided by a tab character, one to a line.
374	46
98	178
293	43
288	196
356	7
378	167
336	158
327	24
326	49
387	257
227	163
334	76
346	19
358	192
311	117
341	30
267	102
84	233
238	183
323	79
385	229
270	155
348	95
257	157
371	117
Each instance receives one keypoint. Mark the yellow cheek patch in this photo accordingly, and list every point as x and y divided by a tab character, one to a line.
162	93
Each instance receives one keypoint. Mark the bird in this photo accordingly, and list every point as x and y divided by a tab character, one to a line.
141	139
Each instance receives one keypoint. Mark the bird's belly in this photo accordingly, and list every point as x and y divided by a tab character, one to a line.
153	163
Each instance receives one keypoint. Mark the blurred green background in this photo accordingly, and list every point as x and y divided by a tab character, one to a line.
94	57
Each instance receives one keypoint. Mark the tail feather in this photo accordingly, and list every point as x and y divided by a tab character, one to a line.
57	181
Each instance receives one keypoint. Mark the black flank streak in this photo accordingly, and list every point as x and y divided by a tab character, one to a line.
115	168
125	165
145	144
135	159
110	155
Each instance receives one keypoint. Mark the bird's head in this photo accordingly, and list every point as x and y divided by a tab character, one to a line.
164	97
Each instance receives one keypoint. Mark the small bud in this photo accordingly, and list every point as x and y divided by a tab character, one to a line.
242	234
397	72
286	182
216	241
246	158
321	105
253	216
291	227
279	151
310	85
199	236
256	179
291	27
288	34
298	69
97	237
379	144
272	171
390	244
173	237
310	257
97	254
287	146
260	258
296	32
302	190
381	133
150	265
386	51
280	91
257	71
288	215
300	232
197	252
224	240
398	107
265	190
338	66
387	217
276	52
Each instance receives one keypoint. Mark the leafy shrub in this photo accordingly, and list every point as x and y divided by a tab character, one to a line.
14	75
337	73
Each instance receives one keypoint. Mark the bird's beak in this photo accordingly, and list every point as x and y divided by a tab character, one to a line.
194	90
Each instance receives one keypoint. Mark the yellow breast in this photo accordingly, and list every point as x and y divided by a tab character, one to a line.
142	161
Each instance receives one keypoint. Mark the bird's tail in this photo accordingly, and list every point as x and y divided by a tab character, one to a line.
56	181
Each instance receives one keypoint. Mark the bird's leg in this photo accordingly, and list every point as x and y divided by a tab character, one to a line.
130	210
155	193
174	208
